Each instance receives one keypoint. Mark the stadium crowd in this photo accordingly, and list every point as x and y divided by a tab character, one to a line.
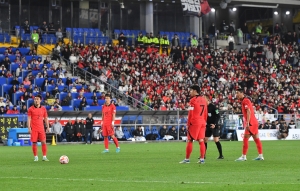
267	72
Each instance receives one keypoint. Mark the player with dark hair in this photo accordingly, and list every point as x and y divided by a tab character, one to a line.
108	122
36	117
251	127
196	123
212	126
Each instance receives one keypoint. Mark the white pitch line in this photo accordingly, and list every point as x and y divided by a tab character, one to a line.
106	180
148	181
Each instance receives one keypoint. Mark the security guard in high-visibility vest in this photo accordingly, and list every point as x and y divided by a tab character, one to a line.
140	39
147	40
155	41
164	42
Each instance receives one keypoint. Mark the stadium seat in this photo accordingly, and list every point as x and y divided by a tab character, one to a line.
147	130
17	97
76	103
39	81
3	80
67	108
5	88
131	131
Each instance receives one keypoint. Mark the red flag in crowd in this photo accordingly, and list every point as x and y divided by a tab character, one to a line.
205	8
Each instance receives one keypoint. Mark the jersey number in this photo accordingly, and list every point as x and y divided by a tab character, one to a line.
202	106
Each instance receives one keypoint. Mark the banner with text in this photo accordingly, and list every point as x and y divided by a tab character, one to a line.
270	134
195	7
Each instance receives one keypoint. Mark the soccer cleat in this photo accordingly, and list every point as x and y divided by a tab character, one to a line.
259	158
185	161
204	157
45	159
118	150
105	151
36	159
201	161
241	159
220	157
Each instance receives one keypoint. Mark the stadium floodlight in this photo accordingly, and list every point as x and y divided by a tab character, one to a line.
287	12
275	12
213	10
234	9
122	6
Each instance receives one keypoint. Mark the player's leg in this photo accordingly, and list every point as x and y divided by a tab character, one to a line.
91	136
42	138
254	130
34	139
116	143
245	146
201	137
105	137
189	145
216	135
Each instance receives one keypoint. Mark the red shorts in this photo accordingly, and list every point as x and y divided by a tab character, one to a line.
196	132
107	130
37	136
253	129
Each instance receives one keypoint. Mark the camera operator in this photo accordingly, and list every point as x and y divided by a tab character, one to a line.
283	130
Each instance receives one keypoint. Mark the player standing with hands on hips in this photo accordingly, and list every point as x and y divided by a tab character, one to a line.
196	123
37	114
251	127
108	122
212	126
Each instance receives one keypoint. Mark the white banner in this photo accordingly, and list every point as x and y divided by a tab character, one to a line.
270	134
191	7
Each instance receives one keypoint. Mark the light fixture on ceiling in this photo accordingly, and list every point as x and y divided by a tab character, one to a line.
287	12
162	1
234	9
275	12
261	6
122	5
213	10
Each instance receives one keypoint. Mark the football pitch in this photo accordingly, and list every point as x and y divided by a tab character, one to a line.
151	166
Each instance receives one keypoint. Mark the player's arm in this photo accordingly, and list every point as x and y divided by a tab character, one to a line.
113	116
47	124
248	118
29	124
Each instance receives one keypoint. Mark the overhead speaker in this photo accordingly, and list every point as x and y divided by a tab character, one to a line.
223	5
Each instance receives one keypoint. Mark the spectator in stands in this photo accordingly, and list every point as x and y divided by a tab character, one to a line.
25	97
44	27
23	109
3	72
292	125
95	102
35	39
26	81
231	42
83	104
119	134
267	125
22	44
59	35
175	41
51	29
77	131
69	128
8	102
67	100
12	91
14	110
122	40
57	106
2	110
245	31
138	134
26	27
45	84
6	63
21	88
19	70
163	131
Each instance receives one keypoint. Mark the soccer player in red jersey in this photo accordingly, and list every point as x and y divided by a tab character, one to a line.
36	117
196	124
251	127
108	122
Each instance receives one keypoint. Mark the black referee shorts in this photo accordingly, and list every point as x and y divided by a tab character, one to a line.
212	132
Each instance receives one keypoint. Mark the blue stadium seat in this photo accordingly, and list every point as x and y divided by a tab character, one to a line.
39	81
2	50
14	67
12	58
3	80
101	102
5	88
127	135
147	130
76	103
122	108
17	97
29	103
74	95
62	95
93	108
49	88
24	51
9	80
131	131
89	101
67	108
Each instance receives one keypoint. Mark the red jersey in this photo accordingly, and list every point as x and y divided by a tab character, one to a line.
108	111
197	110
246	103
37	115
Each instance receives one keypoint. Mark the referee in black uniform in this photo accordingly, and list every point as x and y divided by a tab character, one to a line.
212	128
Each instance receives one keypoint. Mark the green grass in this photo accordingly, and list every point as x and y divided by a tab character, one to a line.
151	166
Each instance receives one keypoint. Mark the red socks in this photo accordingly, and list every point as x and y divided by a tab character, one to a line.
202	149
188	150
116	142
106	142
258	145
44	149
34	149
245	146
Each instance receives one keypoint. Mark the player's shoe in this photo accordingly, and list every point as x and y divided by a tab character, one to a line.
36	159
259	158
204	157
185	161
241	159
201	161
45	159
105	151
118	150
220	157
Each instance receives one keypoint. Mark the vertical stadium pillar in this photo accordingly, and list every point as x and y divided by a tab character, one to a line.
149	17
142	16
196	25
